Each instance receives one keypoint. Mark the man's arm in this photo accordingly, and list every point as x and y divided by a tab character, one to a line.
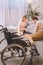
36	27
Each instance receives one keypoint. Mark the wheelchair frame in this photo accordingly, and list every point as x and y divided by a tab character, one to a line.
8	36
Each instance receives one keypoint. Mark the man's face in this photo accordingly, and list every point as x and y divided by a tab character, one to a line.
34	21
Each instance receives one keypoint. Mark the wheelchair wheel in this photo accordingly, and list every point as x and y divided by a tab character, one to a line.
11	56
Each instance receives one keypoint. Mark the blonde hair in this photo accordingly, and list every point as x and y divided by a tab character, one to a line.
23	18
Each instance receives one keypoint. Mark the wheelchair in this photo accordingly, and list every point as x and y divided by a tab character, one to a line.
16	48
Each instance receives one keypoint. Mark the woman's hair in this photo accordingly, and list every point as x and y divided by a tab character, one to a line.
34	18
24	16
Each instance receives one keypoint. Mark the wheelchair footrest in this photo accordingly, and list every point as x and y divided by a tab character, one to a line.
33	52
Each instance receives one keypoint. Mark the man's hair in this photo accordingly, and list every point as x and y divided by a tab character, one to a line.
34	18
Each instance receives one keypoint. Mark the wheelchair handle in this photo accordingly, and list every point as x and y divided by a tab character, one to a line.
1	27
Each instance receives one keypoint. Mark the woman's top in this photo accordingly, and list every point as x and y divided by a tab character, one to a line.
21	27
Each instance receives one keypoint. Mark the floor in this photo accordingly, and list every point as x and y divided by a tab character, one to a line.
36	60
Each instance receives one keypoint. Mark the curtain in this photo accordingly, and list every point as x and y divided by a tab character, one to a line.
11	11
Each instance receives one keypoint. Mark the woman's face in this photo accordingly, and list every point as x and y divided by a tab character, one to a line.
24	19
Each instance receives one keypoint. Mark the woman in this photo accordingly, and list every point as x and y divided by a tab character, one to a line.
22	25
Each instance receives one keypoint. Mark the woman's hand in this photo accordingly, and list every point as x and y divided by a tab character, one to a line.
26	30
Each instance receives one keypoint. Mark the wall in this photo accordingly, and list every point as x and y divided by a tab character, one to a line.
13	16
38	3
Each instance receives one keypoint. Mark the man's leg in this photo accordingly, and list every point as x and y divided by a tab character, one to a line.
31	37
35	36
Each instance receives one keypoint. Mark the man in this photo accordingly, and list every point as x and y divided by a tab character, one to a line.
36	28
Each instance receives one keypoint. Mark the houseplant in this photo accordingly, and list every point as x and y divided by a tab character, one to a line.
32	12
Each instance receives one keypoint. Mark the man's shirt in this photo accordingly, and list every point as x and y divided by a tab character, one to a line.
32	27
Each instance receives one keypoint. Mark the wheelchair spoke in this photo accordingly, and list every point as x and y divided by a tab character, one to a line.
13	55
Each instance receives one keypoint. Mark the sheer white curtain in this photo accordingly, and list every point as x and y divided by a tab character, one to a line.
11	11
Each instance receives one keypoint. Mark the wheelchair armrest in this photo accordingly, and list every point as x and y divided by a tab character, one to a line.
18	38
13	32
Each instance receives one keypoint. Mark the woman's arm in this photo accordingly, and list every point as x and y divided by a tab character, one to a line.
22	28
